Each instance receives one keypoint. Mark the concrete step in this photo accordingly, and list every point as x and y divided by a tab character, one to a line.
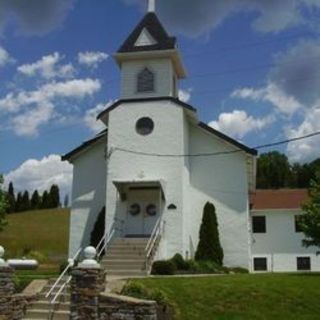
43	314
45	305
114	264
127	251
131	240
64	297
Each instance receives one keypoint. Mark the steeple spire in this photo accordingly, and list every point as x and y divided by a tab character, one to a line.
151	5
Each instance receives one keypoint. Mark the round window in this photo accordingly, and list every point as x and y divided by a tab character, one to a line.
144	126
134	209
151	210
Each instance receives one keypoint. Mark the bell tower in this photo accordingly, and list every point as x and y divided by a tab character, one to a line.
150	63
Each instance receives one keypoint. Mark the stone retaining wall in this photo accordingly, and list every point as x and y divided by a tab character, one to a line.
115	307
12	306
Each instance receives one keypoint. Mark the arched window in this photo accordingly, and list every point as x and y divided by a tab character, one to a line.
145	81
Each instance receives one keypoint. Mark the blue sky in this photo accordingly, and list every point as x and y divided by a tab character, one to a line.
253	73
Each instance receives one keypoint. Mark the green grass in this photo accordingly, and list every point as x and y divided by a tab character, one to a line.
242	297
43	231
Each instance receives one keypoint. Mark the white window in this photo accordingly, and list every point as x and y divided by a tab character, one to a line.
145	81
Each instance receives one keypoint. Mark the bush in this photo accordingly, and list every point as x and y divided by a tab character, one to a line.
36	255
180	263
238	270
163	267
205	267
209	247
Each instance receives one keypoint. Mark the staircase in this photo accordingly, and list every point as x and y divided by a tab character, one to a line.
126	257
42	309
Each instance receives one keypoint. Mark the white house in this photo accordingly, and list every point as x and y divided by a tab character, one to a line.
276	235
155	166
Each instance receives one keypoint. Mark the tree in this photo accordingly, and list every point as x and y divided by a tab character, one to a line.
274	171
310	220
66	201
18	202
11	200
209	247
45	200
54	197
3	205
35	201
98	229
25	203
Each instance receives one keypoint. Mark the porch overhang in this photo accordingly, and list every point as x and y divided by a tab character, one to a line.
124	186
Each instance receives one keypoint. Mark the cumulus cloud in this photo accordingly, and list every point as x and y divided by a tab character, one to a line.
185	95
92	59
238	123
308	149
38	107
199	17
90	118
5	58
48	67
41	174
34	17
271	93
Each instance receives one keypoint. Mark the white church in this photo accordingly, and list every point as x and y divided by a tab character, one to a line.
156	165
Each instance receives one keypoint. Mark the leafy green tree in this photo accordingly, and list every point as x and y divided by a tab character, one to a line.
54	197
66	201
19	202
11	199
310	220
209	247
274	171
35	202
3	206
98	229
45	200
25	203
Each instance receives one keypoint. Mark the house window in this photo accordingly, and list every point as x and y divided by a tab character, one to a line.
297	222
303	264
260	264
144	126
259	224
145	81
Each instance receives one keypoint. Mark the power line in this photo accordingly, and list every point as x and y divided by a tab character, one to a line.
216	153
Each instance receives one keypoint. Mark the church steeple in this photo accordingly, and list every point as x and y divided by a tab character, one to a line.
148	55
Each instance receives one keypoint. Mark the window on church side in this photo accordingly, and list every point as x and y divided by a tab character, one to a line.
145	81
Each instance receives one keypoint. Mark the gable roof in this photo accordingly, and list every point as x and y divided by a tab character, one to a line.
85	145
228	139
151	23
278	199
135	100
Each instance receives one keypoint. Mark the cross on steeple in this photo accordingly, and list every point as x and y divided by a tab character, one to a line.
151	5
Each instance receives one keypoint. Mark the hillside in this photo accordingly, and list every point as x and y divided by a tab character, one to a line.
42	231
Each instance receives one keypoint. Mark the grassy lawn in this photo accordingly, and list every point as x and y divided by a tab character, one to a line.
43	231
233	297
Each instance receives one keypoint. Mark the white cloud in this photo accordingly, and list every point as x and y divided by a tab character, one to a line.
5	58
308	149
48	67
185	95
37	107
41	174
200	17
272	94
238	123
92	59
35	18
90	118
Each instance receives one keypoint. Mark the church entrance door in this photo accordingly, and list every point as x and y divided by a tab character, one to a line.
143	211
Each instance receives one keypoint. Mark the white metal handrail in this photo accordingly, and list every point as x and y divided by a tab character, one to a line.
154	240
61	289
104	248
70	264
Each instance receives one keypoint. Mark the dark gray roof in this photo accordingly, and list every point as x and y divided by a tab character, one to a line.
135	100
156	30
85	145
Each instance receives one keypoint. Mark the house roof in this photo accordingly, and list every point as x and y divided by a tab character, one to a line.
85	145
151	23
228	139
119	102
278	199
